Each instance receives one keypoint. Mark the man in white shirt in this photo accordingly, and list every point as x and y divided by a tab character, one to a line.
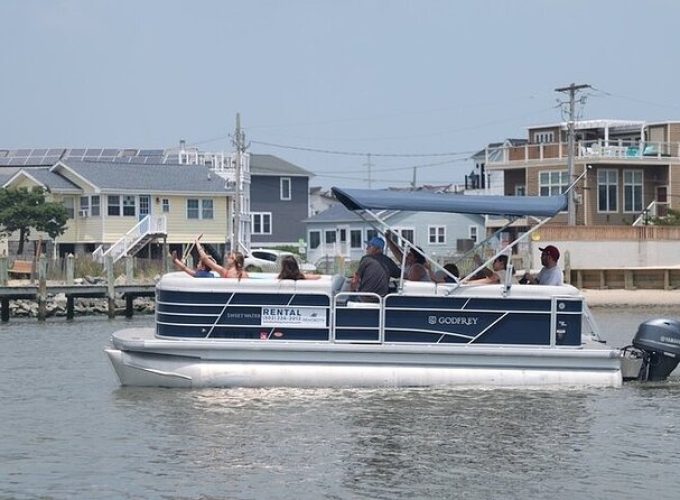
550	274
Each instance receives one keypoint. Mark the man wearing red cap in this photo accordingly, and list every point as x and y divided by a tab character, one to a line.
550	274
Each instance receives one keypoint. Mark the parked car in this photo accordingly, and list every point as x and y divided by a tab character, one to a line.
268	260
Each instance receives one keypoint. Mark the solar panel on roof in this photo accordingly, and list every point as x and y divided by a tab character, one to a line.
150	152
22	152
39	152
4	161
93	152
17	161
110	152
51	160
57	151
75	152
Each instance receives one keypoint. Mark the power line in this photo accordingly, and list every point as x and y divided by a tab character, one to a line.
359	153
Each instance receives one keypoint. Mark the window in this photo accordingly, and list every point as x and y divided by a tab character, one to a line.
552	183
437	235
407	234
262	223
607	187
370	233
355	238
285	188
314	239
165	203
113	204
85	206
472	233
95	209
129	205
329	236
69	204
544	137
207	209
632	191
192	209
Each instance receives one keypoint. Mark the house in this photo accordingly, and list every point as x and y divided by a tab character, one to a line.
634	174
279	201
107	200
340	232
279	190
482	181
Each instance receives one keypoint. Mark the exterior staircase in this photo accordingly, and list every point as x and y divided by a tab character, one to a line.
146	230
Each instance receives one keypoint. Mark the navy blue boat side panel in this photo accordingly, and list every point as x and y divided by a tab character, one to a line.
357	317
569	329
407	301
280	299
441	322
189	308
187	319
573	306
501	304
519	328
192	297
370	335
424	337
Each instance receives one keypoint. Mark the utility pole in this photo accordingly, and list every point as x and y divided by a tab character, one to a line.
571	89
238	140
368	164
413	181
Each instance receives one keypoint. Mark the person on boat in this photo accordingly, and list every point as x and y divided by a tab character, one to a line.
375	270
443	277
415	268
201	271
234	261
550	273
496	274
290	270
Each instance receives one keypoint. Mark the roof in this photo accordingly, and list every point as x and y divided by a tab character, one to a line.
335	213
273	165
145	177
591	124
47	178
366	199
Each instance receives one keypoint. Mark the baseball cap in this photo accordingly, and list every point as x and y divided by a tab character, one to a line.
376	242
552	251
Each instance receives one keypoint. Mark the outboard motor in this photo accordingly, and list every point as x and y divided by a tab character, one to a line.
659	341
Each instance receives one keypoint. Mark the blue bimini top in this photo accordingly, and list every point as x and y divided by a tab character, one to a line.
509	206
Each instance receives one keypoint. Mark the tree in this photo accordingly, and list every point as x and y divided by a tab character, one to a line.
23	209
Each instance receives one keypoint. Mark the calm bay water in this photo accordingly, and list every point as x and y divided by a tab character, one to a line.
67	430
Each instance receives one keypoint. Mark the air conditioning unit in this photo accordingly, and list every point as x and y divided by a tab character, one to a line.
83	213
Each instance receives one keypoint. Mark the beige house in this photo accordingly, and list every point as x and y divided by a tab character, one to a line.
634	174
109	203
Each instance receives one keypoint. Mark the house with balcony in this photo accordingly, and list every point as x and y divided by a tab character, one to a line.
634	168
134	205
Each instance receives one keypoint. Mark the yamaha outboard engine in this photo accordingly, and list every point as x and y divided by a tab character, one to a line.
659	341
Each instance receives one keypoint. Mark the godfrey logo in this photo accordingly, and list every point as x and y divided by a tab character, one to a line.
452	320
294	316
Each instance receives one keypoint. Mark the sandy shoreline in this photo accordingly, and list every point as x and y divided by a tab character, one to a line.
632	298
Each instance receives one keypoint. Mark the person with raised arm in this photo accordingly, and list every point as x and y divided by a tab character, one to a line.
234	261
201	271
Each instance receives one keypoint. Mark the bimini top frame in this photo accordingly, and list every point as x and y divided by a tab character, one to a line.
369	202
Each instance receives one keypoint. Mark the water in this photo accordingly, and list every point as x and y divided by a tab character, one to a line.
67	430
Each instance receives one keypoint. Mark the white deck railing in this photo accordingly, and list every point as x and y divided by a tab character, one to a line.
653	210
596	149
145	227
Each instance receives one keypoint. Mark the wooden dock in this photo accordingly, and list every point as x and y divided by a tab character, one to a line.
40	293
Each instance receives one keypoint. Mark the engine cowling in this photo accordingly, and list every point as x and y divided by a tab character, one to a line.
659	339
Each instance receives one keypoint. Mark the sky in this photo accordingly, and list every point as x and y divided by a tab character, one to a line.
419	85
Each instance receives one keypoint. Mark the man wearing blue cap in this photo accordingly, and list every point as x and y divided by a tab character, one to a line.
375	270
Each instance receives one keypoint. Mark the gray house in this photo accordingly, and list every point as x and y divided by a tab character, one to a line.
340	232
279	201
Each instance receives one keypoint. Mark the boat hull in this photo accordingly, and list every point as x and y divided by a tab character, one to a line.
141	359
